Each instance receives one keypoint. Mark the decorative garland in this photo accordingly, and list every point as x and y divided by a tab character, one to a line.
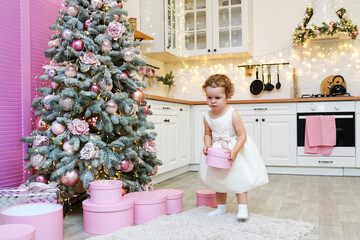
345	25
169	80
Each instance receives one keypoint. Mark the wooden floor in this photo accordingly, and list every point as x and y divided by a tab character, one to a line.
331	203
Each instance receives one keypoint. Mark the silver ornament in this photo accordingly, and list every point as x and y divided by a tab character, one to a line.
37	160
70	71
104	86
72	10
128	54
57	128
97	3
106	45
66	104
67	147
111	106
46	101
70	178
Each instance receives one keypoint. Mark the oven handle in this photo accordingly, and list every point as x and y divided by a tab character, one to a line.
337	116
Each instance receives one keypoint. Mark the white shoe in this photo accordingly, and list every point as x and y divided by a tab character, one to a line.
219	211
243	213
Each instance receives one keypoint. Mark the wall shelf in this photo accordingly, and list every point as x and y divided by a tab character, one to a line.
141	36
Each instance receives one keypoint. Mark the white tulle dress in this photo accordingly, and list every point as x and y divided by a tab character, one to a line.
246	172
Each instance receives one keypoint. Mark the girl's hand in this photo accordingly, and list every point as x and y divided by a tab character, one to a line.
233	154
205	149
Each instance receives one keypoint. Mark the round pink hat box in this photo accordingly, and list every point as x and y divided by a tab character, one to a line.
17	232
107	218
105	191
216	157
206	198
47	218
174	200
147	205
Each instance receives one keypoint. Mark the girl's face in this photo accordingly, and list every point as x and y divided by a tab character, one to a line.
216	97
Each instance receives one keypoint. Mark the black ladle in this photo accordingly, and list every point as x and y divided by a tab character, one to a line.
278	85
269	86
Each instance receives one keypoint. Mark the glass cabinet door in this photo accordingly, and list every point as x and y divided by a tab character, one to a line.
171	27
195	26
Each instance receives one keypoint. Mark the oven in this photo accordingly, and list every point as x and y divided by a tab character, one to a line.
343	154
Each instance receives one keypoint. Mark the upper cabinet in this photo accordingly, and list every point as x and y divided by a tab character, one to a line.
216	27
186	28
160	20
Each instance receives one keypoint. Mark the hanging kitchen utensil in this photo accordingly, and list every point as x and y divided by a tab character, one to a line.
257	86
278	85
333	84
269	86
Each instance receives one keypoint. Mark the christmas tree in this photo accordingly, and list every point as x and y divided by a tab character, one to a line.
91	121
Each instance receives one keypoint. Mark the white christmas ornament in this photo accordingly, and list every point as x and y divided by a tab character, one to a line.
67	147
106	45
37	160
111	106
66	104
127	54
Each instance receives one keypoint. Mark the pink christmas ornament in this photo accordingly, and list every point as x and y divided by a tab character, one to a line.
126	165
70	178
66	103
57	128
332	23
41	178
52	73
87	24
106	45
138	96
330	28
155	170
124	75
66	34
355	33
70	71
121	5
77	44
111	106
95	88
97	3
128	54
67	147
37	160
147	109
54	85
72	10
316	32
41	125
150	146
104	86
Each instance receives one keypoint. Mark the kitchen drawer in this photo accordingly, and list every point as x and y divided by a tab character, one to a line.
326	162
266	109
163	108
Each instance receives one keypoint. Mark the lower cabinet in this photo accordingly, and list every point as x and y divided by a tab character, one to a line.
172	124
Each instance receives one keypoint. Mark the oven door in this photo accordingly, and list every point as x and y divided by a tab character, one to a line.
345	133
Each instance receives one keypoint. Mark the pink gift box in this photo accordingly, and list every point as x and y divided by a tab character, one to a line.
17	232
216	157
174	200
105	191
147	205
47	218
107	218
206	198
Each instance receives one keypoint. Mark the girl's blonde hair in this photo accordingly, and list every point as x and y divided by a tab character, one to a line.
220	80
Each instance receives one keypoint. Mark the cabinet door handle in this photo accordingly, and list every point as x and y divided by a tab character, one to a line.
180	109
326	161
166	120
263	119
166	108
256	120
214	49
209	50
260	109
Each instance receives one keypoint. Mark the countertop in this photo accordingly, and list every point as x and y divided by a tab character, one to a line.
283	100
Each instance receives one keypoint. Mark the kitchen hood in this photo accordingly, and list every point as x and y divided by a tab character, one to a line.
323	21
323	11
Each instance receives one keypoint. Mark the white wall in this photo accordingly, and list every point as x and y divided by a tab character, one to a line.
273	25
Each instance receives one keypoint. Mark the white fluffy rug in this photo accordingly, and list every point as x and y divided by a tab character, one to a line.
195	224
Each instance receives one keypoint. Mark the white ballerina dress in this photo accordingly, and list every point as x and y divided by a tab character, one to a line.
246	172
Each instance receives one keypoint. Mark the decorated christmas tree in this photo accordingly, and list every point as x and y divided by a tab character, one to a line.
91	121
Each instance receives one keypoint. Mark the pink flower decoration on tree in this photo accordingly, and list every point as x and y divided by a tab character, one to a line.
40	141
150	146
316	32
90	58
115	30
78	127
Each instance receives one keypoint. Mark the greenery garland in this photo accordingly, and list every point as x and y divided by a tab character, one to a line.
169	80
344	25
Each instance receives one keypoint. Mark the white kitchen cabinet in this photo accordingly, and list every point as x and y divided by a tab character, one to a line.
357	133
172	123
159	19
216	27
271	126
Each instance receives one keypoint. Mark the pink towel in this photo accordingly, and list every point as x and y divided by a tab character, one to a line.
320	134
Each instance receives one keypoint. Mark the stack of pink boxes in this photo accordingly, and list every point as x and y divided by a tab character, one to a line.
108	211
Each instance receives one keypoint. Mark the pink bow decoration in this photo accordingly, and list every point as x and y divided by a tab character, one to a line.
224	139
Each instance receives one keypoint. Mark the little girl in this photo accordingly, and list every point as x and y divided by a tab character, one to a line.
224	129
